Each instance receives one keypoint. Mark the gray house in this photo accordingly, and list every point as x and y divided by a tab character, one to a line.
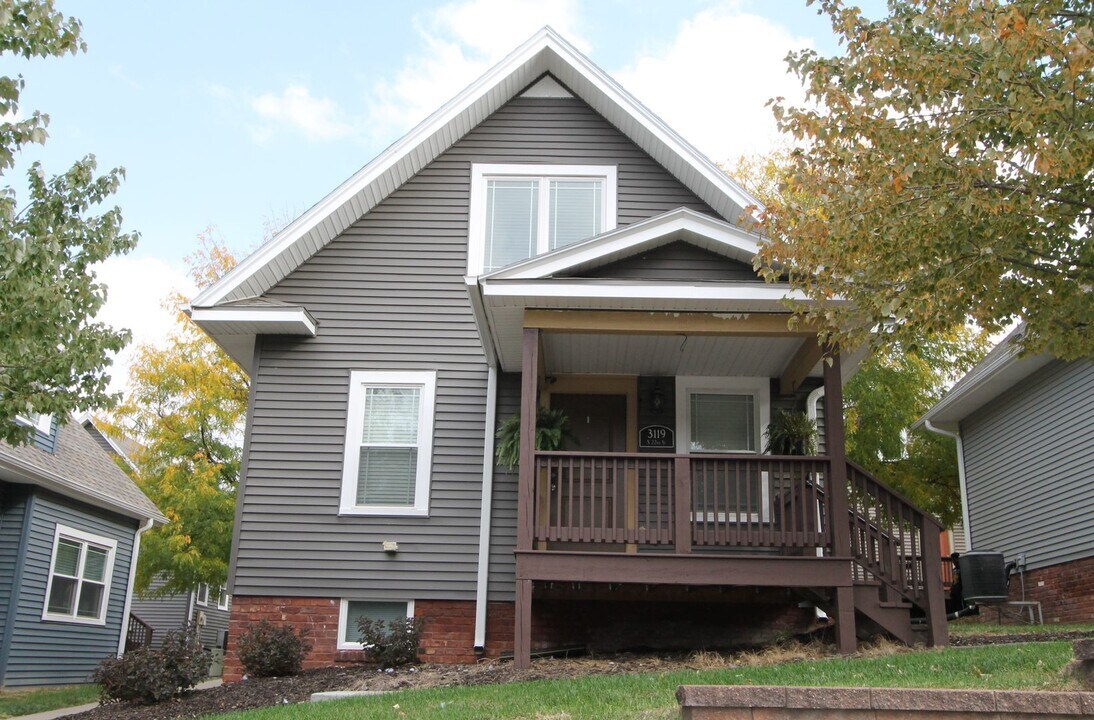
70	526
1025	443
544	241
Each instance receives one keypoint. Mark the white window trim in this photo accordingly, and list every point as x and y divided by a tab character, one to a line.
198	594
63	531
760	390
38	421
358	380
480	173
343	618
223	598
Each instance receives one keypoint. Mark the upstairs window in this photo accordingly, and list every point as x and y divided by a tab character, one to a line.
520	211
389	443
41	423
78	588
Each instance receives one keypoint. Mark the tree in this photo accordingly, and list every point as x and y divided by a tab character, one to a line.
894	386
185	405
52	354
942	172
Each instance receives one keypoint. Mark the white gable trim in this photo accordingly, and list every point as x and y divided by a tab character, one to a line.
544	52
680	224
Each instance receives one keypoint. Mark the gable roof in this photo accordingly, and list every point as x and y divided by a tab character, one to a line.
700	230
544	53
78	468
999	371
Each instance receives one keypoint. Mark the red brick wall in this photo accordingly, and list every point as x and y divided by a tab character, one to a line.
448	629
1065	591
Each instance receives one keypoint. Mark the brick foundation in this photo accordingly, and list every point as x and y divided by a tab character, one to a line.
603	622
1065	591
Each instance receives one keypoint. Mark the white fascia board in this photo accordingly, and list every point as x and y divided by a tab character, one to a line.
535	52
645	290
478	310
209	317
655	125
740	244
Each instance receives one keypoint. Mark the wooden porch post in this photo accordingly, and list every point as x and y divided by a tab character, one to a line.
529	402
837	490
932	582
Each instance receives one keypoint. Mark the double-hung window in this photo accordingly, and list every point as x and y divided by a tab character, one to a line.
78	589
520	211
389	443
202	598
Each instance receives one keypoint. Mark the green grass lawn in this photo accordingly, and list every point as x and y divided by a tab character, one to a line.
651	696
26	702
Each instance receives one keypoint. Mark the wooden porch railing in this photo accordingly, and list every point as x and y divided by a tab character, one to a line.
681	500
892	541
138	634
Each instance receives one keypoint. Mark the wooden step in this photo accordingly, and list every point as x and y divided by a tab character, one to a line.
894	618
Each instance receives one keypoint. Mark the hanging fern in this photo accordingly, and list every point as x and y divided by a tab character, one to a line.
552	432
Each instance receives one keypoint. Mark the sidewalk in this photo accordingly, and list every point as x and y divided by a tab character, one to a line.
62	712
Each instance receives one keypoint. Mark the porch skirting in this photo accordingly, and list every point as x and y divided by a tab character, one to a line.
565	615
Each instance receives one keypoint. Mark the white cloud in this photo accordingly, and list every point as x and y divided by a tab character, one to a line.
711	83
462	40
317	118
136	290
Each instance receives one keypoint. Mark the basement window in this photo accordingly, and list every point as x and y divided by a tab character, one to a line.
351	612
520	211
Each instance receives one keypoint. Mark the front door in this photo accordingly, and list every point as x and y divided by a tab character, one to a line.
583	492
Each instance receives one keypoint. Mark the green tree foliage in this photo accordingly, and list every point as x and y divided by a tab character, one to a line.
893	389
943	172
894	386
186	404
52	355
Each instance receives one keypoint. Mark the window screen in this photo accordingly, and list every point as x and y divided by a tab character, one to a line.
388	467
512	220
385	612
722	423
575	212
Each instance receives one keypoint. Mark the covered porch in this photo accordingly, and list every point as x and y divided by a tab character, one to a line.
671	359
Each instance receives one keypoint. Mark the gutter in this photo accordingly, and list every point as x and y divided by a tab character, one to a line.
960	477
129	587
487	495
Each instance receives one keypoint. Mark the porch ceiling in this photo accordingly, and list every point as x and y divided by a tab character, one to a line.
596	354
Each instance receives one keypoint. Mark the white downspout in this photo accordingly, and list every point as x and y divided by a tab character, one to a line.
487	494
129	586
960	478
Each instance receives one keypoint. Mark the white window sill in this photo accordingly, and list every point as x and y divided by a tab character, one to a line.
383	511
47	617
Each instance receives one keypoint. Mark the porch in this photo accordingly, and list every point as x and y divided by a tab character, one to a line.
682	515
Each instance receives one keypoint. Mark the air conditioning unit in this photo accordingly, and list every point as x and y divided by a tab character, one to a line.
984	578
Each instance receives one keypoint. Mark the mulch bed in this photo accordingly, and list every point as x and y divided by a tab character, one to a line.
264	692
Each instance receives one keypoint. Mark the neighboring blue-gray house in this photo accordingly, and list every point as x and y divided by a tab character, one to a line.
70	526
1025	443
544	241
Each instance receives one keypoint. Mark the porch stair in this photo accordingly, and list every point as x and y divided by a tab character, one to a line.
897	564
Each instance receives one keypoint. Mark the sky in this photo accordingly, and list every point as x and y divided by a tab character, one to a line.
238	115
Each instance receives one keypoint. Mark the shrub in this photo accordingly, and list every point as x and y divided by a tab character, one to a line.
150	675
396	644
268	650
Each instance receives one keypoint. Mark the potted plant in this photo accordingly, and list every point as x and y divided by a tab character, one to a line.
552	431
791	433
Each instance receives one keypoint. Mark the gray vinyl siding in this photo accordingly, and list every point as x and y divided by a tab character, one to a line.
503	505
389	294
57	653
676	261
1029	467
163	613
216	622
13	508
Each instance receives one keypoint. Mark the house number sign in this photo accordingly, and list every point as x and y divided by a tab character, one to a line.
656	436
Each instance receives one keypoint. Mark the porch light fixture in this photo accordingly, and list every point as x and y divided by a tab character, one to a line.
657	397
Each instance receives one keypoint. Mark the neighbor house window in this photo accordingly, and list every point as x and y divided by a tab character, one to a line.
78	589
520	211
203	595
41	423
351	612
222	598
389	443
